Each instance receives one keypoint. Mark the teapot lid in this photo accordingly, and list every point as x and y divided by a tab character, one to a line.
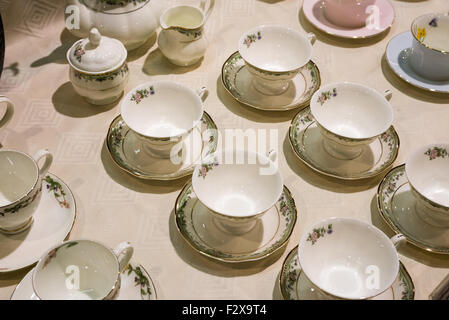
97	53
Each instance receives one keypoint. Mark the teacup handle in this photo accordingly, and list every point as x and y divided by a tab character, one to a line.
124	251
48	161
398	240
203	93
388	94
209	11
311	37
9	111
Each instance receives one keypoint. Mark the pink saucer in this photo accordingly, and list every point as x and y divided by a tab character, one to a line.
314	12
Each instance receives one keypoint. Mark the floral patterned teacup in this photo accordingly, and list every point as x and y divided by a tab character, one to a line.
430	49
20	188
162	114
238	187
350	116
347	13
274	55
349	259
8	113
80	270
427	170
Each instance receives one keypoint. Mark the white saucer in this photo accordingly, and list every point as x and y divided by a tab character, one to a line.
136	284
397	55
53	221
295	285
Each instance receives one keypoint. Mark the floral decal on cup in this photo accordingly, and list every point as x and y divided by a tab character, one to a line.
319	233
252	38
21	205
327	95
436	152
433	23
140	280
52	254
139	95
206	167
421	34
58	191
79	52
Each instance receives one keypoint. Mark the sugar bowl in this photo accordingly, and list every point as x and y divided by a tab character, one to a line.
98	68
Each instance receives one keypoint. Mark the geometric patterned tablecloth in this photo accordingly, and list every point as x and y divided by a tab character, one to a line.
113	206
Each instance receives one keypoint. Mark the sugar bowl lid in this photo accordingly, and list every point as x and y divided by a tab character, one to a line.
97	53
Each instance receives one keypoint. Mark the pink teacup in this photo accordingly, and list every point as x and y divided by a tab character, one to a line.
347	13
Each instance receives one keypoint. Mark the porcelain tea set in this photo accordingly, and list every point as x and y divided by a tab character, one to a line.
236	208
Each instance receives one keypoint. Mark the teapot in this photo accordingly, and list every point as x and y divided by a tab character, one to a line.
182	39
132	22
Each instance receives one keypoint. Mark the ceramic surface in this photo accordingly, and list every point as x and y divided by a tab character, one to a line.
237	81
182	38
340	255
350	116
430	46
306	141
126	150
250	184
398	54
347	13
53	220
98	68
397	206
80	270
132	22
20	190
136	284
9	111
314	13
270	234
274	55
162	114
427	170
295	285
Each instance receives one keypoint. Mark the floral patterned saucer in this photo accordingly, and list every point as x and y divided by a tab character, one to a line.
397	55
238	82
53	221
314	12
127	152
295	285
397	207
307	143
272	231
136	284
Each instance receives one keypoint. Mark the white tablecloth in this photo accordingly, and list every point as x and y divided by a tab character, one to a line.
113	206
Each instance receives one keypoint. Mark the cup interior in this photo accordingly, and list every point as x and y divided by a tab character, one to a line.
275	48
95	267
182	16
339	255
351	110
432	30
162	109
237	183
18	175
427	170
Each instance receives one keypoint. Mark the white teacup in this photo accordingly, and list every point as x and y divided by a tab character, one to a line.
350	116
274	55
162	114
347	13
238	187
9	111
427	170
349	259
80	270
430	49
20	188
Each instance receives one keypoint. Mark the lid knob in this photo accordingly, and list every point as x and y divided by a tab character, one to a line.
94	37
